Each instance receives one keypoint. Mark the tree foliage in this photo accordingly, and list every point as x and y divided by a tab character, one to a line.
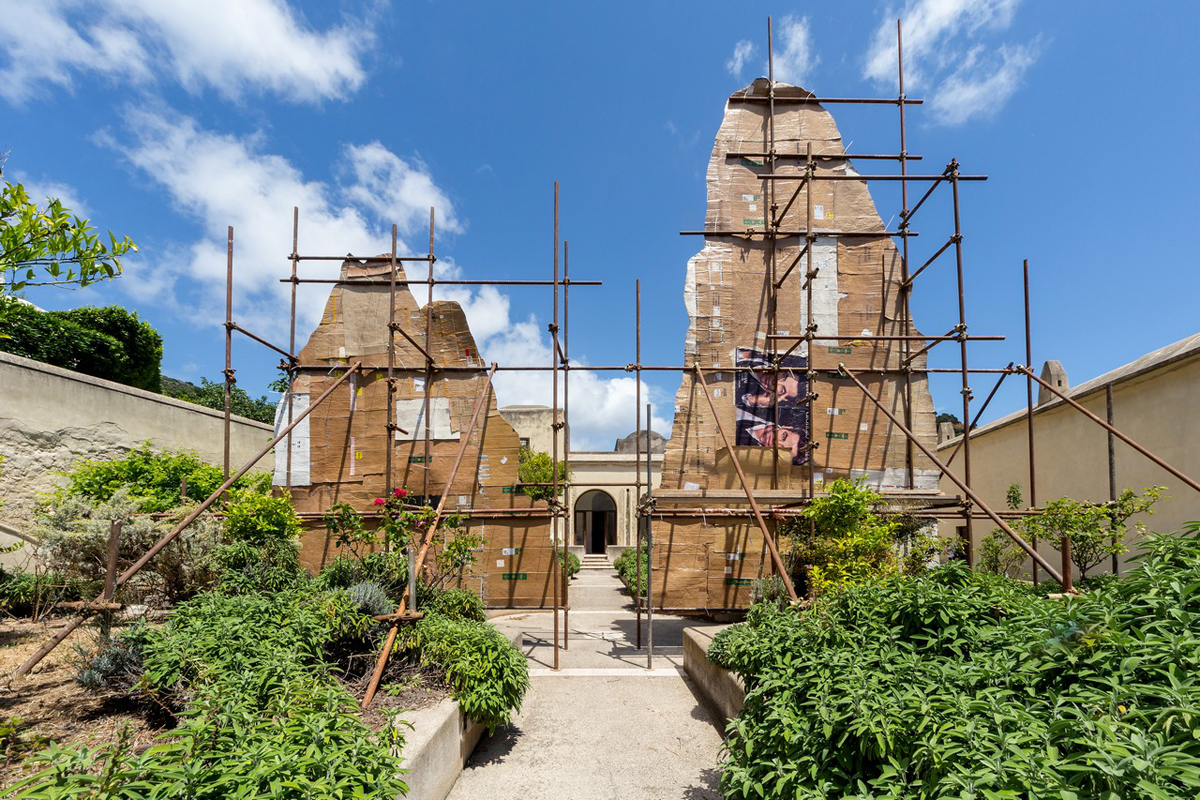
48	245
110	342
211	394
538	467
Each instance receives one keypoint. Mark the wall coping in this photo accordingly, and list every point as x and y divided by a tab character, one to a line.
112	386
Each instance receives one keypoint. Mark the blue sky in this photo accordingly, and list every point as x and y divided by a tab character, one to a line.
170	121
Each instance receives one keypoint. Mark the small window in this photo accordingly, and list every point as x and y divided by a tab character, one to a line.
525	442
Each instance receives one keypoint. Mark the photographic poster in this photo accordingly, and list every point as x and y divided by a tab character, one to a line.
769	403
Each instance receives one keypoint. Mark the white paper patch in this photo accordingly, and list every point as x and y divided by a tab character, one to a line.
300	442
818	211
690	487
499	562
408	417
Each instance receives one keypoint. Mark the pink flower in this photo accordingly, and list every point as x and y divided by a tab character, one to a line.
399	493
379	501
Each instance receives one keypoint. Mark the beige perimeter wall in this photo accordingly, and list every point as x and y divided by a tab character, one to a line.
51	418
1159	409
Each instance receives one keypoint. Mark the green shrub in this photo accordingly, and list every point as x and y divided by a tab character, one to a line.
28	594
486	673
388	569
960	684
370	598
245	568
153	478
455	604
113	662
109	343
626	565
258	518
142	345
263	716
73	536
537	467
573	564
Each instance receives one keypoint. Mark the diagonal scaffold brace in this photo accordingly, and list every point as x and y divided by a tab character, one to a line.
426	541
170	536
758	517
959	482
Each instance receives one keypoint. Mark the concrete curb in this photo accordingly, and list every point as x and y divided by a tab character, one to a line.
722	691
437	748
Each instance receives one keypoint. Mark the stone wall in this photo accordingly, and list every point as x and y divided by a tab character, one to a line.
52	418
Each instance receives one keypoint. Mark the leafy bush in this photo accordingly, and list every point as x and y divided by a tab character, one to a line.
114	662
153	478
573	565
626	565
370	598
110	342
486	673
263	716
245	568
455	604
73	536
839	540
961	684
259	518
29	594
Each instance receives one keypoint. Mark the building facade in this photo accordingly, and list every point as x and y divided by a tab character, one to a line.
1154	401
602	510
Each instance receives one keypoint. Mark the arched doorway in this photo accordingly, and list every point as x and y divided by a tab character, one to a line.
595	521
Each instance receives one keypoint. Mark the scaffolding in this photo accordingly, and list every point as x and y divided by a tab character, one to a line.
743	503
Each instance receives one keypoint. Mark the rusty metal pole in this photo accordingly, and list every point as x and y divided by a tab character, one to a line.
228	340
1177	473
428	365
295	259
1067	582
810	329
110	572
426	541
962	343
1029	410
905	286
566	576
1112	463
390	435
758	517
554	429
637	480
771	224
649	551
170	536
957	481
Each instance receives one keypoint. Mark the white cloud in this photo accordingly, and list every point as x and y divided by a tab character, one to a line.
393	189
981	89
232	46
794	57
930	28
40	191
221	180
743	51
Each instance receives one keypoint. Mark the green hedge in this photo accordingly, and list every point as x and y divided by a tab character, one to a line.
109	342
959	684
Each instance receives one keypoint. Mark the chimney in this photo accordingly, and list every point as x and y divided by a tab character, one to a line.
945	431
1053	374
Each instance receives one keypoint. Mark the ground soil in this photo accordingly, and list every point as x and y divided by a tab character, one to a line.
52	707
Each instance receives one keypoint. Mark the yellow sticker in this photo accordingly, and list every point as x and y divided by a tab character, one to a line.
358	456
358	393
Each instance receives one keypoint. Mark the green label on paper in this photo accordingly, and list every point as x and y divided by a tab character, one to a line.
507	489
418	459
832	435
739	581
514	576
843	350
752	220
751	162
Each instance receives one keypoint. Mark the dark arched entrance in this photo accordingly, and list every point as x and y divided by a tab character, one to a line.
595	521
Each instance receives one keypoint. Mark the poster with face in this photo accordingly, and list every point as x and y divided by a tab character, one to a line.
768	403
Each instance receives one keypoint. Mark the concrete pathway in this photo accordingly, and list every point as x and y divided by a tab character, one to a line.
603	726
